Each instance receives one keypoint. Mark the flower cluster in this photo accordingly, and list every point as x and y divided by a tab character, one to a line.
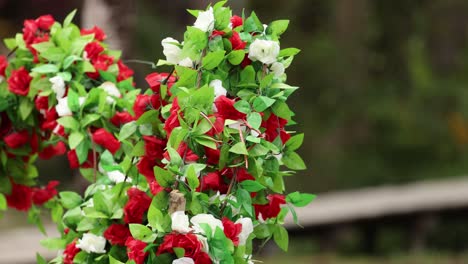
197	170
63	93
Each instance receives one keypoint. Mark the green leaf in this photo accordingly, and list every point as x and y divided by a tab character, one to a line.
46	68
40	259
236	57
222	17
277	27
281	237
155	216
68	61
54	54
289	52
75	139
192	178
239	148
10	43
300	199
213	59
3	202
112	260
70	200
142	233
293	161
89	119
294	142
164	177
69	122
253	24
73	101
282	110
261	103
69	18
127	130
252	186
25	108
53	243
243	106
254	119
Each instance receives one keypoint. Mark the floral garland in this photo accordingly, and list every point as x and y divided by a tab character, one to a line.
188	172
199	172
63	93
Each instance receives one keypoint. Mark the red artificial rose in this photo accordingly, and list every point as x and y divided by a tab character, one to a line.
243	175
19	81
45	22
232	230
218	126
146	102
101	63
136	250
145	167
212	156
274	126
226	109
236	41
41	195
210	181
236	21
272	209
117	234
156	79
74	162
50	119
30	28
93	50
173	120
137	205
3	65
17	139
20	197
34	143
53	150
98	33
217	33
5	124
246	62
154	147
42	103
124	71
189	242
70	252
121	118
202	258
106	139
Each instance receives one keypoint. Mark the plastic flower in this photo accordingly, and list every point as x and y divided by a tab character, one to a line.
58	86
208	219
183	260
277	68
19	81
106	139
266	51
180	222
171	50
247	229
218	88
17	139
117	234
205	21
91	243
137	205
20	197
136	250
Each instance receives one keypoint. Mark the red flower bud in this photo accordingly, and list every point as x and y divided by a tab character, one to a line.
106	139
136	250
3	65
20	197
19	81
45	22
17	139
121	118
117	234
41	195
98	33
236	21
137	205
52	151
124	71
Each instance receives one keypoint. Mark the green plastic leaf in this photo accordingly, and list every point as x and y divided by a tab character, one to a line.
142	233
261	103
254	119
300	199
46	68
294	142
252	186
68	61
164	177
281	237
3	202
69	18
73	101
127	130
70	200
53	243
213	59
289	52
236	57
239	148
282	110
25	108
243	106
40	259
293	161
69	122
277	27
192	178
75	139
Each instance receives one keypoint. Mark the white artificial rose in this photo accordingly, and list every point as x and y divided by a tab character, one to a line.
117	176
208	219
205	21
265	51
58	86
171	50
62	106
111	90
218	88
247	229
204	241
91	243
180	222
183	261
187	62
277	68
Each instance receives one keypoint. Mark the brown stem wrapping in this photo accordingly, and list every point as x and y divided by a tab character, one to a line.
176	201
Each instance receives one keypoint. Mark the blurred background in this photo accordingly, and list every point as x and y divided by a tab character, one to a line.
383	102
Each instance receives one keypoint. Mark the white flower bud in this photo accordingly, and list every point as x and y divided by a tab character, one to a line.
58	86
62	107
265	51
91	243
205	21
187	62
206	219
218	88
180	222
171	50
183	261
117	176
247	229
277	68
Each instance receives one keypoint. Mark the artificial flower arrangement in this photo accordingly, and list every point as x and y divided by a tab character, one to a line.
190	171
63	93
